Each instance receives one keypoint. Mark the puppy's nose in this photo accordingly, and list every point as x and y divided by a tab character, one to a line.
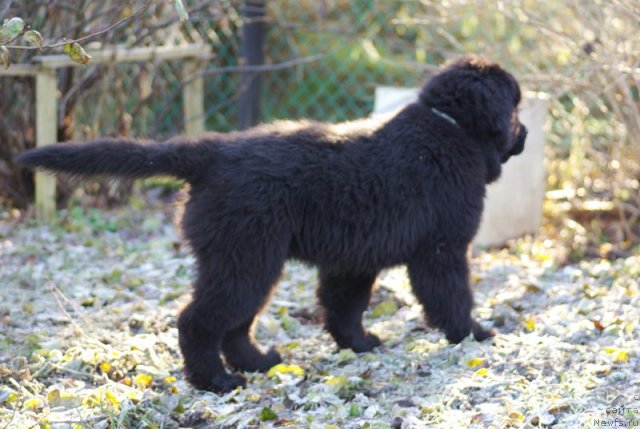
523	132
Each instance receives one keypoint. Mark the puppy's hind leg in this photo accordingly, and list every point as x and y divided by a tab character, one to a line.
241	352
200	340
344	297
440	281
229	292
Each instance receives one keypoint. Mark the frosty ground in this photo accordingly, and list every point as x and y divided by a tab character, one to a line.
88	339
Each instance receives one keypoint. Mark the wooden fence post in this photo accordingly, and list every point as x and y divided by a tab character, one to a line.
46	133
43	69
193	97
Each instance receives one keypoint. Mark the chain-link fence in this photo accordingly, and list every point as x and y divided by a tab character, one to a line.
323	59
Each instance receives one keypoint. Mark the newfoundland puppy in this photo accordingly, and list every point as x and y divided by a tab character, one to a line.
351	198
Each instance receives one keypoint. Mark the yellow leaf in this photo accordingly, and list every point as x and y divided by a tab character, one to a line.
516	415
105	367
134	396
109	396
386	308
32	404
57	398
143	380
605	249
482	372
338	380
475	362
90	401
282	368
563	56
77	53
621	356
610	350
290	346
337	383
529	323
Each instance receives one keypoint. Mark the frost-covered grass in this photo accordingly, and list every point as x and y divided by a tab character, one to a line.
88	339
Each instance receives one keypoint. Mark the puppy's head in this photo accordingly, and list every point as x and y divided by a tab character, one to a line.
483	100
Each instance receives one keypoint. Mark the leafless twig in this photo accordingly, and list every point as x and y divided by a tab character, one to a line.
137	12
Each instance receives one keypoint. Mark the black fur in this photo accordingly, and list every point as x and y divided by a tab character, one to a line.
351	198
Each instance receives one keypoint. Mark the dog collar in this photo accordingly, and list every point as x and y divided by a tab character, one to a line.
445	116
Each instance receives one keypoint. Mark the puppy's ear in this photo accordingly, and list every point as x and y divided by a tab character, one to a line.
499	128
494	165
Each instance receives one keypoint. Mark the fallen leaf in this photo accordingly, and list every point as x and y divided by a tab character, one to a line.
529	323
475	362
386	308
32	404
143	380
598	325
282	368
267	414
482	372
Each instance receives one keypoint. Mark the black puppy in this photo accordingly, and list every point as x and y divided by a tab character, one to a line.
351	198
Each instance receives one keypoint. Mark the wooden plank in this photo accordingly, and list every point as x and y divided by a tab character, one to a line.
193	98
46	133
44	69
120	54
19	70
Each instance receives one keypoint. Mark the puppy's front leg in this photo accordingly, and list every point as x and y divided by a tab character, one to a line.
344	297
440	280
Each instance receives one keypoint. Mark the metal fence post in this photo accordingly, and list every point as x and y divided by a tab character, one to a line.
46	133
252	54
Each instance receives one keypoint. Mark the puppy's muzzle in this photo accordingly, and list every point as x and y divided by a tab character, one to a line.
518	147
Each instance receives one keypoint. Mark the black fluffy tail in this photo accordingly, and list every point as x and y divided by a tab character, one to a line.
119	158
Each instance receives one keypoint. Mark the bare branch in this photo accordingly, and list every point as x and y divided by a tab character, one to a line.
127	18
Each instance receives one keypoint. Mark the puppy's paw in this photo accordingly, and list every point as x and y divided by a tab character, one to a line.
223	383
456	336
271	358
218	383
254	360
480	333
365	343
